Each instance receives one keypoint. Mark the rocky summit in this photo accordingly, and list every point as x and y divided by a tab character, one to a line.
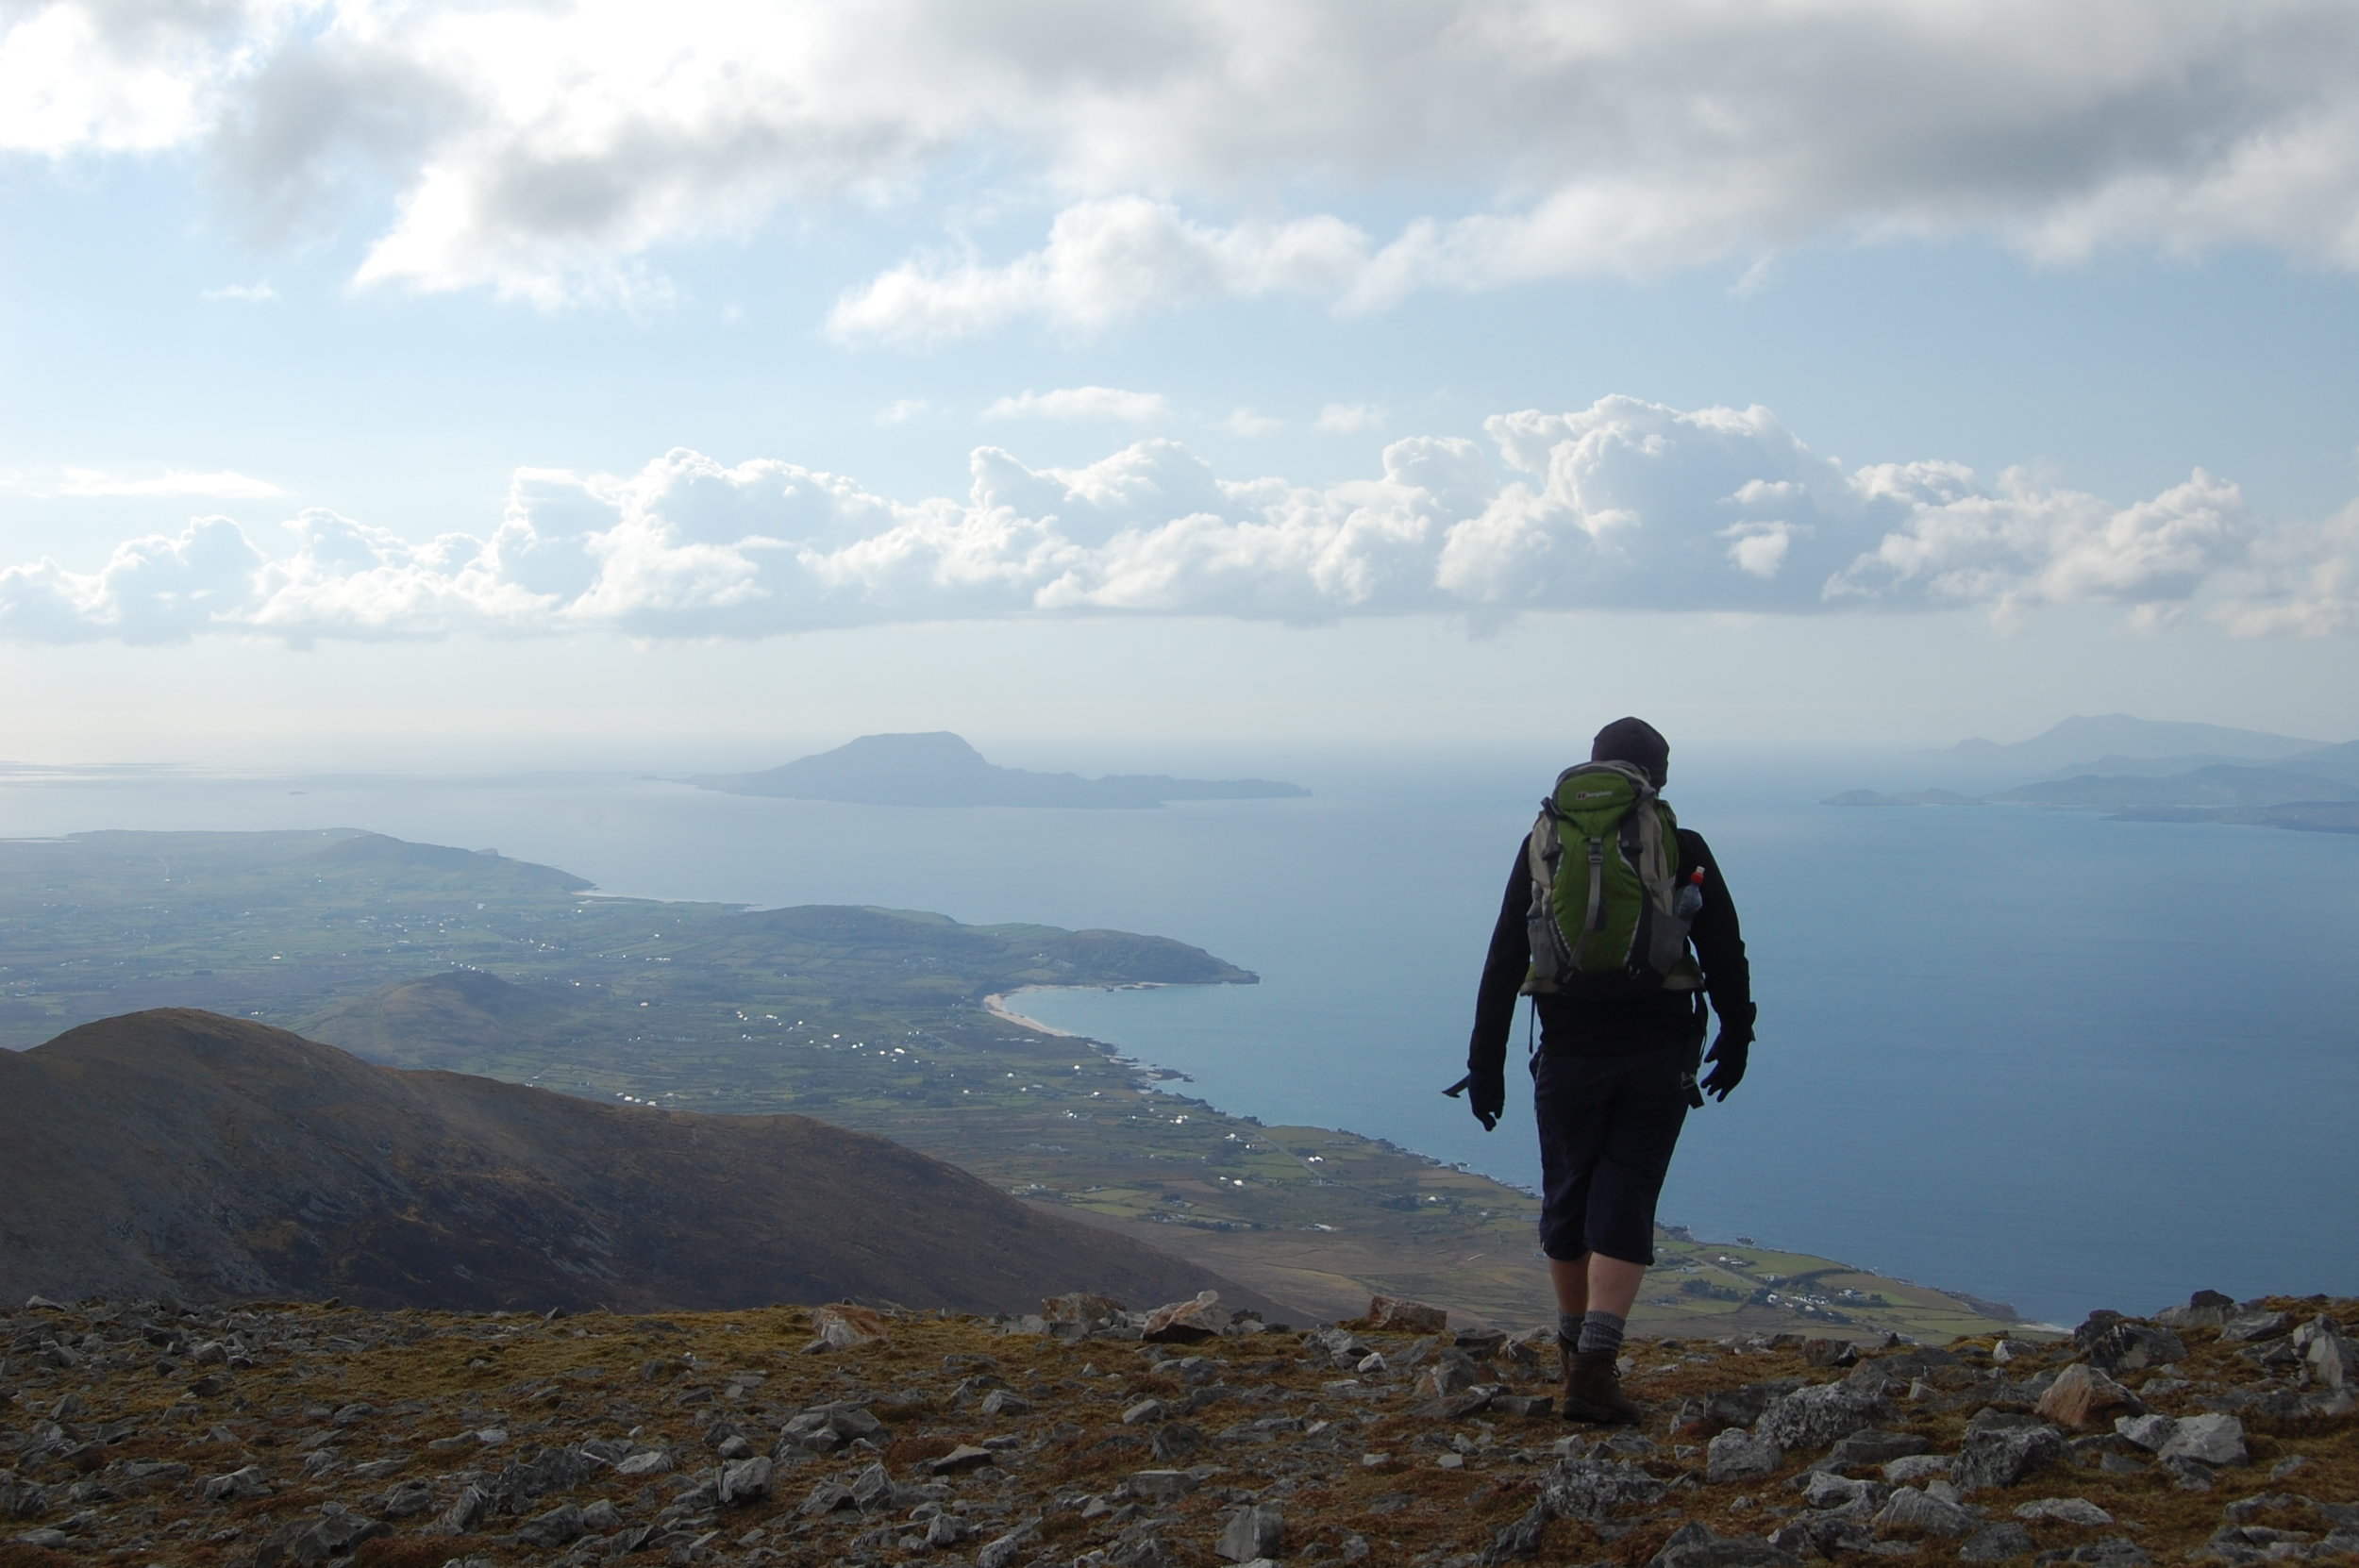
1091	1434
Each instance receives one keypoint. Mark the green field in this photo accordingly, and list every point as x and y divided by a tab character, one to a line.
426	957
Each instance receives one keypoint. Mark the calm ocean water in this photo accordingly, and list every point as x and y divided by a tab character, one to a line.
2050	1058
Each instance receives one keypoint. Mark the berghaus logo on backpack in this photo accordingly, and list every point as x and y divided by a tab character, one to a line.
1606	919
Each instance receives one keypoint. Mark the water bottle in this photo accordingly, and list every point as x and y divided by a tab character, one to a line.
1690	897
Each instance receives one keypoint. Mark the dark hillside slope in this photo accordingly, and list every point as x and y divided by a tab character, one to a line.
183	1153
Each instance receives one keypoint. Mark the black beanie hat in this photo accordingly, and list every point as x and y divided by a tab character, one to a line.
1637	743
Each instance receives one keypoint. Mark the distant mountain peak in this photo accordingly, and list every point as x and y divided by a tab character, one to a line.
938	768
2092	735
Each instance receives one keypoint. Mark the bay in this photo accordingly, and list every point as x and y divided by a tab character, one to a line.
2045	1058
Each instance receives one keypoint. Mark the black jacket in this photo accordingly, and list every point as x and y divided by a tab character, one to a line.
1573	1027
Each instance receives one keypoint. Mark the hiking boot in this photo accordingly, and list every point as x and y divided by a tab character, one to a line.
1593	1389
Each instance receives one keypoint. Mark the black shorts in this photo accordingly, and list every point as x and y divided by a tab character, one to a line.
1608	1124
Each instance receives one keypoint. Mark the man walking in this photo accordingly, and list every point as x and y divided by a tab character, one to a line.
1617	925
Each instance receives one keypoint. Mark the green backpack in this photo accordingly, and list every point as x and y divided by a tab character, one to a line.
1606	920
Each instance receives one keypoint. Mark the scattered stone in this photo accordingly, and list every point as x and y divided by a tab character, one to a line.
1817	1417
2246	1327
1916	1467
1006	1402
1521	1539
2148	1431
1873	1447
2116	1344
965	1456
1186	1322
844	1327
1252	1532
2333	1360
2070	1510
1997	1544
1406	1317
1831	1352
1582	1488
1145	1410
1080	1306
1001	1552
1909	1511
2214	1440
2002	1456
2081	1397
743	1481
237	1485
1737	1455
558	1526
1694	1545
462	1514
1159	1484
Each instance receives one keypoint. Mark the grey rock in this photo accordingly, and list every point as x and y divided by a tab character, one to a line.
1828	1490
2214	1439
2069	1511
744	1482
1827	1414
333	1534
1737	1455
1521	1539
2148	1431
408	1500
965	1456
648	1461
600	1515
1159	1484
1001	1552
1916	1467
2246	1327
2115	1551
237	1485
462	1516
873	1488
1909	1511
1998	1543
556	1528
2333	1360
1694	1545
945	1530
826	1497
1253	1532
2125	1345
1006	1402
2002	1456
1582	1488
1871	1448
2186	1474
1177	1440
1145	1410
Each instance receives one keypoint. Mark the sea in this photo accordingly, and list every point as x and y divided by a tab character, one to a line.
2045	1058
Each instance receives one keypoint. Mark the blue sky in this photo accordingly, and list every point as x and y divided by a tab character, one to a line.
1882	372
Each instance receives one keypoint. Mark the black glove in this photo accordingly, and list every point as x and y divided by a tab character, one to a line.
1486	1094
1729	1051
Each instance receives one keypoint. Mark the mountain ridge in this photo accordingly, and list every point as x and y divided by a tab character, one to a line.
183	1153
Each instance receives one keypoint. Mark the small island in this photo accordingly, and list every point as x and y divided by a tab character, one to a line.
941	768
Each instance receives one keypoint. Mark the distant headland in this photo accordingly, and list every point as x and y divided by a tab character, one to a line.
2153	771
941	768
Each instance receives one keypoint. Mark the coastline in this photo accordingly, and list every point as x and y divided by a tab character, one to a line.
996	1005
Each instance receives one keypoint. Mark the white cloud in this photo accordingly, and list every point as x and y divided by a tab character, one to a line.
1347	418
241	293
218	485
543	150
1624	505
1105	403
1246	422
901	410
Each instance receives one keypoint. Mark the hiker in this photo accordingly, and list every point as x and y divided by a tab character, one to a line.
1618	929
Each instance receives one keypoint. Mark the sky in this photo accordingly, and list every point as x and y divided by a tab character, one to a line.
387	380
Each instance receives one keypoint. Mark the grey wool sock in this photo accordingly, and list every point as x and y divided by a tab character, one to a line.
1568	1329
1600	1331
